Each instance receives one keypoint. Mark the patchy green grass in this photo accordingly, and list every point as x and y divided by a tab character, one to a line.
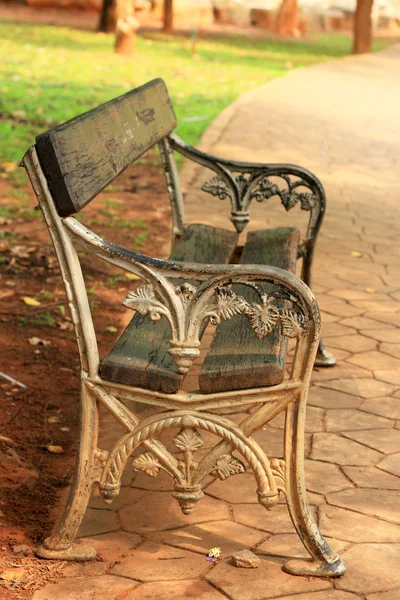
49	74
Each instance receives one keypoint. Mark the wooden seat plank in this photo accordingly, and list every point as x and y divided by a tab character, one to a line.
140	357
237	358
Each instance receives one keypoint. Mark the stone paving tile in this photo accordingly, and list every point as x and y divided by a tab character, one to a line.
325	595
74	569
158	511
357	294
238	586
271	440
375	360
331	398
392	349
363	388
157	562
353	343
391	464
323	477
371	568
393	595
338	308
382	317
384	407
355	527
369	502
360	323
330	330
124	498
288	545
98	521
200	538
162	483
237	489
384	335
383	440
111	546
276	520
342	371
389	376
106	587
332	448
372	477
347	419
178	590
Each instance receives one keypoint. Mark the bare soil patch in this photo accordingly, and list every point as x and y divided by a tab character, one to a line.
134	213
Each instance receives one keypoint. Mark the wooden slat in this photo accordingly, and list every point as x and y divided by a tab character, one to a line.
82	156
237	358
140	356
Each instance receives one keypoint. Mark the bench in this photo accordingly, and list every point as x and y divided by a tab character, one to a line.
248	292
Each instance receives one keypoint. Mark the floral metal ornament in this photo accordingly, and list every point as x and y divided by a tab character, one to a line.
144	301
217	187
226	466
244	187
224	305
263	317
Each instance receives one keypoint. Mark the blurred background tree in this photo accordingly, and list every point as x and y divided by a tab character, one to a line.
168	16
362	41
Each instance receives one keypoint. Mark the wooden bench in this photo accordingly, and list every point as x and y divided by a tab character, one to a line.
250	293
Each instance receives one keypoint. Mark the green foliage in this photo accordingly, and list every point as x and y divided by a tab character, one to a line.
43	320
49	74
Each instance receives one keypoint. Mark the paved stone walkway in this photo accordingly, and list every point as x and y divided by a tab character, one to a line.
341	120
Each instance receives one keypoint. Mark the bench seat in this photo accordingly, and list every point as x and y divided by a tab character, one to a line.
237	358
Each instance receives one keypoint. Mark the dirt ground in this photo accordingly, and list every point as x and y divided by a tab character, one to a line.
39	423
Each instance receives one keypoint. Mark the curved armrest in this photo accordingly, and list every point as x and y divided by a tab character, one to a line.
187	306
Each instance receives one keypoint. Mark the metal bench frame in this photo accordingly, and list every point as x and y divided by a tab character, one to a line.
186	307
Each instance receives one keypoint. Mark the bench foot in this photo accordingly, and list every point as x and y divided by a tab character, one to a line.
76	551
311	568
324	358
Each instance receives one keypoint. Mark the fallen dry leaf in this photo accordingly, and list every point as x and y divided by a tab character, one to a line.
31	301
131	276
111	329
8	167
53	419
55	449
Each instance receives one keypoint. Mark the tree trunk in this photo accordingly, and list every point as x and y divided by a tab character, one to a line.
286	20
125	31
217	14
363	27
168	16
108	20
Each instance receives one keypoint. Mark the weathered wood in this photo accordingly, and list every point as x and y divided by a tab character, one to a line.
81	157
140	356
237	358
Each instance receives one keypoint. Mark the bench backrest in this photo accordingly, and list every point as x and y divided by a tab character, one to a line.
82	156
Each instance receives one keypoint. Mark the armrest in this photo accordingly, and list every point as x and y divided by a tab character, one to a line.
243	182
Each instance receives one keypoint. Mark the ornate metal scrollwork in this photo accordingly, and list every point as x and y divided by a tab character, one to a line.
188	474
225	304
217	187
244	187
